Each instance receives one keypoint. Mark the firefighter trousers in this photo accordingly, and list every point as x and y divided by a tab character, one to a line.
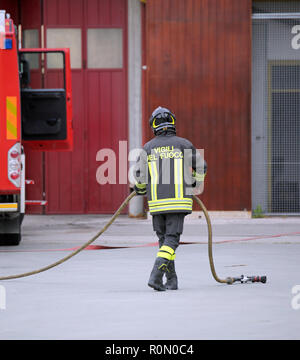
168	228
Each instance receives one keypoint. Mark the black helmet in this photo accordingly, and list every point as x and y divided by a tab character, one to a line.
162	119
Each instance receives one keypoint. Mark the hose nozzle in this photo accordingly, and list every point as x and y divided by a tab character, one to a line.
244	279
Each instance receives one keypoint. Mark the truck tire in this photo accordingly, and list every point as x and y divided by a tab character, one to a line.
10	239
10	234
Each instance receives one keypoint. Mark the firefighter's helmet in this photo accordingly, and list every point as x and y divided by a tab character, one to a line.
162	119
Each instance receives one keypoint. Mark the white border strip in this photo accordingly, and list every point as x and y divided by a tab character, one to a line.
264	16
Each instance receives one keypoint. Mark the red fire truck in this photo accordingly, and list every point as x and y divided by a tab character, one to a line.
36	111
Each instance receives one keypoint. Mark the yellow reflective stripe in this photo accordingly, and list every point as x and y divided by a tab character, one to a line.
167	200
11	118
9	206
186	206
175	178
11	131
151	175
166	208
178	178
154	179
11	104
170	204
181	177
167	248
180	204
164	255
166	252
173	257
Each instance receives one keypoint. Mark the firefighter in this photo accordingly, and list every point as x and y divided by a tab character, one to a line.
174	168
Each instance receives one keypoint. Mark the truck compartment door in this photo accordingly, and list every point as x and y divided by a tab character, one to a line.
46	113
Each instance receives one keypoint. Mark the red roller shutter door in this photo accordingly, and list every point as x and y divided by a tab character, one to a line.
99	98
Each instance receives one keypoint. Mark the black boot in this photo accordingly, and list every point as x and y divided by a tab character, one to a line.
156	276
172	282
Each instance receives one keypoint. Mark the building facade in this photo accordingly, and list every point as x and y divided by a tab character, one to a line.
228	69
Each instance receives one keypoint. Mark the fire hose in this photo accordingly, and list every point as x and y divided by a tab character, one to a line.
228	280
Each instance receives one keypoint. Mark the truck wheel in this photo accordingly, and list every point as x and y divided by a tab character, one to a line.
10	239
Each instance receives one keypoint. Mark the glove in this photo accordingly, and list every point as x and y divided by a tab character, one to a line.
140	189
198	178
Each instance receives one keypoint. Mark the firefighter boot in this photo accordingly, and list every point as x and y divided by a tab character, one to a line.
172	282
164	256
157	273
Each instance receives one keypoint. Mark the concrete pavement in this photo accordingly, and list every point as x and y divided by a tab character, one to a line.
103	294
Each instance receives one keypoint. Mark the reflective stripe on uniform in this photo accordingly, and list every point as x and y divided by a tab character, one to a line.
168	249
171	208
154	179
178	178
170	200
166	252
185	204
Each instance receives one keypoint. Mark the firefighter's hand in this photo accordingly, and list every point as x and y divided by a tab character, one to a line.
198	177
198	184
140	189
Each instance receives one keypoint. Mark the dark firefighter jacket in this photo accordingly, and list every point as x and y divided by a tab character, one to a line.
169	167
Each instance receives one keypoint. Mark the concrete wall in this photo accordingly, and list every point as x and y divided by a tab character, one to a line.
134	82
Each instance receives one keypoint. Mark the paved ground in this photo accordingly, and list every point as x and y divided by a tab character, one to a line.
103	294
